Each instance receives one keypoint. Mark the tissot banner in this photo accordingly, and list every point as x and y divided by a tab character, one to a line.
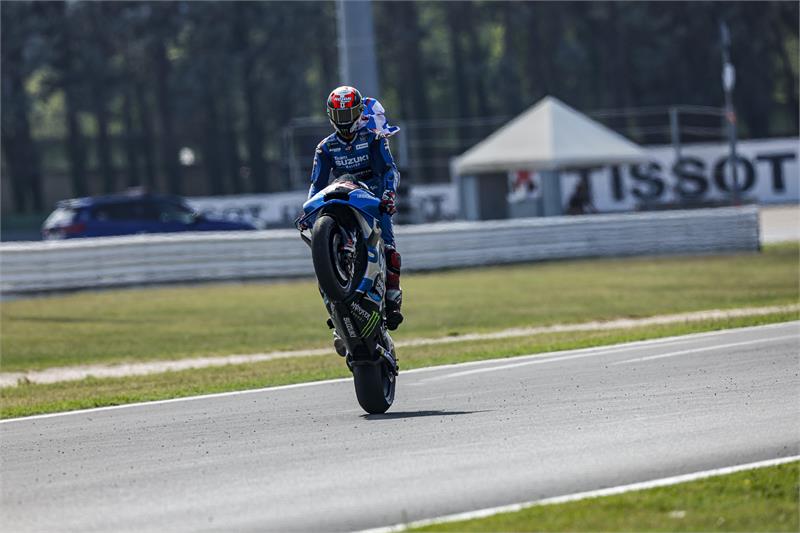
767	173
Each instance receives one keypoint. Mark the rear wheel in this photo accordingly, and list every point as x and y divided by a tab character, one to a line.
375	386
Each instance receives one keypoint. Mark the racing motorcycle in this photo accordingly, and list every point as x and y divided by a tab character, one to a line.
341	225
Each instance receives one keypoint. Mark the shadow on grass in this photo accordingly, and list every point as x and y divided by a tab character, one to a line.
416	414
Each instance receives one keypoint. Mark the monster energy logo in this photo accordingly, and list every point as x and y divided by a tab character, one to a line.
371	323
360	311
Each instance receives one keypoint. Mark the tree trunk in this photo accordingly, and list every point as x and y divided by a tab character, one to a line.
510	78
131	156
68	79
18	147
622	68
98	78
169	152
539	71
477	63
211	153
411	80
103	144
233	162
255	132
460	85
75	147
147	137
787	73
16	167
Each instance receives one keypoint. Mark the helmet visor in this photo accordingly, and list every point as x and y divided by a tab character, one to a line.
343	117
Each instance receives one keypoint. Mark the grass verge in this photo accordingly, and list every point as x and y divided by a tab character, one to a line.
764	499
171	323
29	399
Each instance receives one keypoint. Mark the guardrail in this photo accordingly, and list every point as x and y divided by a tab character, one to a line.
148	259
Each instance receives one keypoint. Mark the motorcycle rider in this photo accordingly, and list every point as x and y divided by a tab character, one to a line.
359	146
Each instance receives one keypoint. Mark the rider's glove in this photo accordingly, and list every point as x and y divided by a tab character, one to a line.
388	204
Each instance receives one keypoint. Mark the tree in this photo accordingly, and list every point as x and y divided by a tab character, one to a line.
244	13
164	16
60	18
98	21
18	147
226	78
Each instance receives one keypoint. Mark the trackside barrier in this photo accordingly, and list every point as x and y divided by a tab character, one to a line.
190	257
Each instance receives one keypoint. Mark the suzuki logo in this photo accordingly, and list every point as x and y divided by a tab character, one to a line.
349	325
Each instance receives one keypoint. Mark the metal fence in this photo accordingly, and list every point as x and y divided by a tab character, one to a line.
152	259
423	149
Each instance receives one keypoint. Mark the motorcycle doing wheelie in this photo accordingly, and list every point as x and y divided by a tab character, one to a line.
341	225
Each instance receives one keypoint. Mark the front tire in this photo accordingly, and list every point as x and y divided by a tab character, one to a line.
337	280
375	386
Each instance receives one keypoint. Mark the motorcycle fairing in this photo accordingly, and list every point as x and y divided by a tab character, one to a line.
344	192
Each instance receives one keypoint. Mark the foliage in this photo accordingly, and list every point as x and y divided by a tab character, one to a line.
108	92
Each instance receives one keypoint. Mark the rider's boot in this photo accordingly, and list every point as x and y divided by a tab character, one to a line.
394	294
338	344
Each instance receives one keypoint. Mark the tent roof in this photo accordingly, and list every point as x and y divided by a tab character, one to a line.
547	136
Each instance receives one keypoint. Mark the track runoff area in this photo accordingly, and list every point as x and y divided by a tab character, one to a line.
475	437
610	491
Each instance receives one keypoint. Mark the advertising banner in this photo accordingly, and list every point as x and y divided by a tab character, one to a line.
277	210
423	203
767	174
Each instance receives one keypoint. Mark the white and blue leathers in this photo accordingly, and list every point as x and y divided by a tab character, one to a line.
367	158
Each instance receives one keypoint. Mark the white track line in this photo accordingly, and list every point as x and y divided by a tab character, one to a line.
78	372
662	482
708	349
557	359
597	350
562	356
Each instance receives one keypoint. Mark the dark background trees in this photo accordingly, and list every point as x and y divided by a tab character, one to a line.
97	96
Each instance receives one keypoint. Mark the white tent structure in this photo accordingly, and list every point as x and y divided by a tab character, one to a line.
548	137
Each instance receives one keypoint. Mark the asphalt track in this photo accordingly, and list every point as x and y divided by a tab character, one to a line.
458	438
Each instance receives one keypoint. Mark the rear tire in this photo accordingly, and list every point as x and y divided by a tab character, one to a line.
375	386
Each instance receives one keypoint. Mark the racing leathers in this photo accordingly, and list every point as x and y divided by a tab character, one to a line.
366	157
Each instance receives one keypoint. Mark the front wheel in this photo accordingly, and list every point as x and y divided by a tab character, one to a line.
375	385
339	258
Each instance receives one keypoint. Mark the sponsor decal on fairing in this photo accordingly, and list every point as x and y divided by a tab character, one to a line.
359	311
349	325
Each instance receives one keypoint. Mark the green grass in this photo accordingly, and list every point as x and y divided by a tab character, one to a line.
169	323
764	499
28	399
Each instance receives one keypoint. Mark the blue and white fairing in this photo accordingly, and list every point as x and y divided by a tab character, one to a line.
352	194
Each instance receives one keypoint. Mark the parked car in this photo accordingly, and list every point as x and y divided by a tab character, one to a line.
128	214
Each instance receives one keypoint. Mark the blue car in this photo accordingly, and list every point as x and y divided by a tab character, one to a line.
129	214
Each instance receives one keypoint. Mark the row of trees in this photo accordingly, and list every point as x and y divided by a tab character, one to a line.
107	93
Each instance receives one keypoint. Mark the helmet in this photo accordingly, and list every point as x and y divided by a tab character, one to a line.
345	106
